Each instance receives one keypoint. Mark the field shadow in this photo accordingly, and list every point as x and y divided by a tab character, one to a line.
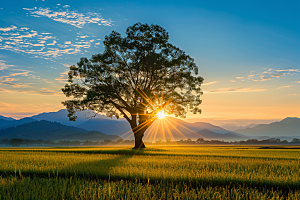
102	170
92	169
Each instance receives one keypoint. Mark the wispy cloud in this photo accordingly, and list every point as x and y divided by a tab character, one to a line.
3	65
12	80
63	77
271	74
286	86
41	91
223	90
66	16
11	28
22	85
40	45
25	73
210	83
294	94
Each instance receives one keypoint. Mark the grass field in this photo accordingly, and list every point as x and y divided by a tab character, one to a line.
219	172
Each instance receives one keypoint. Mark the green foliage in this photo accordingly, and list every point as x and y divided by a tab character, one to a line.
136	74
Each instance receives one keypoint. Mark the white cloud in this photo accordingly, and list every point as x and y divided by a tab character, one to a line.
271	74
30	8
3	65
66	6
22	85
25	73
13	79
222	90
39	45
11	28
63	77
73	18
51	44
287	86
208	83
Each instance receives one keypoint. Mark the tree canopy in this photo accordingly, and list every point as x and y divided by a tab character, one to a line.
135	77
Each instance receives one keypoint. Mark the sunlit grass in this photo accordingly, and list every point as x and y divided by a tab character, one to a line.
244	168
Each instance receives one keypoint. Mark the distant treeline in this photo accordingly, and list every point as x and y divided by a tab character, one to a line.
249	141
16	142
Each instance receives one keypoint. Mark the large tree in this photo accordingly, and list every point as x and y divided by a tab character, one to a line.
135	77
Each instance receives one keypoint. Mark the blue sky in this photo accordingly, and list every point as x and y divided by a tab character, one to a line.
248	53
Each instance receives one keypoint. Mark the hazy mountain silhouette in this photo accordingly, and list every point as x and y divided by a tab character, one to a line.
107	126
177	129
233	127
289	126
121	126
52	131
61	117
180	129
196	126
210	135
10	123
7	118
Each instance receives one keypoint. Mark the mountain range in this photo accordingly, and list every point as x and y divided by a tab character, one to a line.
47	130
234	127
289	126
172	128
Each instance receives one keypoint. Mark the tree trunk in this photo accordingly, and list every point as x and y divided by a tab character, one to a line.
140	129
138	139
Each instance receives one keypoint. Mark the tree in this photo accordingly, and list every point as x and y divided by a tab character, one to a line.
16	142
296	140
200	140
135	77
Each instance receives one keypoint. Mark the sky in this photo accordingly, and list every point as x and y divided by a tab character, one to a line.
247	52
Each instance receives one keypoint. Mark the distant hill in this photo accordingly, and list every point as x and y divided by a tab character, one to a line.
196	126
233	127
107	126
52	131
178	128
7	118
160	130
10	123
61	116
289	126
210	135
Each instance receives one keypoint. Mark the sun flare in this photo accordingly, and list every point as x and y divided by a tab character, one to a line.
161	114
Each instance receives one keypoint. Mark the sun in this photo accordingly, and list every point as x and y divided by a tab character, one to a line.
161	114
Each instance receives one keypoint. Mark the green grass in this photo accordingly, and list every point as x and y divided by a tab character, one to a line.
219	172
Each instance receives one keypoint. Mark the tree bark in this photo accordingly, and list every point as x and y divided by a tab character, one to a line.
138	139
139	130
